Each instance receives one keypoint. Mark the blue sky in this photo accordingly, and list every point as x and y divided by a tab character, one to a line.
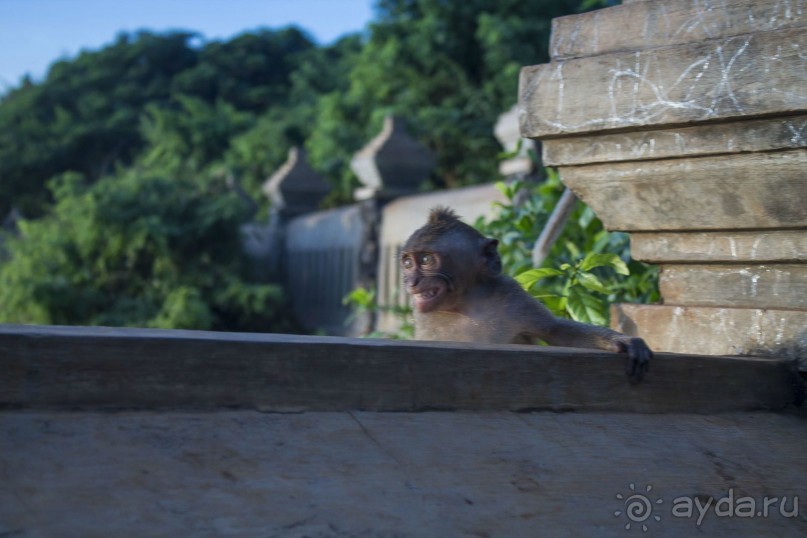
35	33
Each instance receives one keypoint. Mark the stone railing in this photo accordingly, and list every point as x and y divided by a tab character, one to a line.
95	368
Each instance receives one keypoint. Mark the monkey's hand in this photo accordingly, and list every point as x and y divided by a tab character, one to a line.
639	356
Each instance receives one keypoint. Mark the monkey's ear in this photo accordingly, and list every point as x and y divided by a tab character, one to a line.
493	262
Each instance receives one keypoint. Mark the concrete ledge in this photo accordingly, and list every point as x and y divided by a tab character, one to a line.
395	475
46	367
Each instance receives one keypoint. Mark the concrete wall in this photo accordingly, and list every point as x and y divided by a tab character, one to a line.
322	252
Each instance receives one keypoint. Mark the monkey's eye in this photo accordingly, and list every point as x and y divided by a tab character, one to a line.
407	263
426	259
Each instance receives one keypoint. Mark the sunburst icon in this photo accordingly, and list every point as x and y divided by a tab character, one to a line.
638	507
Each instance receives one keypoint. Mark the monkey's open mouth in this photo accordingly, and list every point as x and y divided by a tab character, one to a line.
428	294
427	299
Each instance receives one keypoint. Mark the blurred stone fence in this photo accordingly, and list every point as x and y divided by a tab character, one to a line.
320	256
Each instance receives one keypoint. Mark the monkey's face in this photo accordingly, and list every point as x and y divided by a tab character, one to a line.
443	260
426	280
438	272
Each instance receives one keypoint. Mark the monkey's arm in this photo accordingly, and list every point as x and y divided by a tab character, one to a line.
564	332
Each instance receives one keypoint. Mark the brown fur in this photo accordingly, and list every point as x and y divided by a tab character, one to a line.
454	276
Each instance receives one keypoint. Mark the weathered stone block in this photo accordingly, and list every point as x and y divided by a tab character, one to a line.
716	331
761	246
652	24
734	77
743	136
743	286
732	192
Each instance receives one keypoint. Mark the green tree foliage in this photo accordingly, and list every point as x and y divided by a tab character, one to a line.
136	141
154	124
135	250
84	117
450	68
190	137
320	77
588	267
251	72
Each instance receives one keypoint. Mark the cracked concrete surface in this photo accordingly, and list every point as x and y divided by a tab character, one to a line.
244	473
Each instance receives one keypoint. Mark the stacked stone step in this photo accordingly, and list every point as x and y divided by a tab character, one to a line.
685	123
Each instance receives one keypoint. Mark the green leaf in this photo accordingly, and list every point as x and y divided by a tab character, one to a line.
503	188
586	217
529	278
601	241
524	223
573	249
593	260
360	297
586	308
591	282
555	303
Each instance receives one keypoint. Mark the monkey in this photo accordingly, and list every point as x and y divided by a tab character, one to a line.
453	275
